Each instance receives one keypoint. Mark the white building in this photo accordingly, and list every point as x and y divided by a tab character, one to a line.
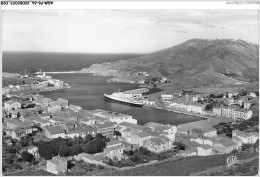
115	117
233	113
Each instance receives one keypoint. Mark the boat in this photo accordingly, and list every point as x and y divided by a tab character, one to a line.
124	98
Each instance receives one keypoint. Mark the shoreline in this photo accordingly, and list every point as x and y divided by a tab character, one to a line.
40	90
177	111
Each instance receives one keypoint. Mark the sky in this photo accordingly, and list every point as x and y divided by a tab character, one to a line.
121	31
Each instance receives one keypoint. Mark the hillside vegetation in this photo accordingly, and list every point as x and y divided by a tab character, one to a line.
195	62
183	167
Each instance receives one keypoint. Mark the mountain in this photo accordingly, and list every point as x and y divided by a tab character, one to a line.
195	62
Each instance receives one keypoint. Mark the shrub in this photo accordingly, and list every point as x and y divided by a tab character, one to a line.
100	167
27	157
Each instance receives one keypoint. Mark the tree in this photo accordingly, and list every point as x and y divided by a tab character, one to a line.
75	150
100	136
229	134
24	143
234	151
94	146
27	157
14	141
88	138
47	151
212	96
144	150
64	151
179	146
245	147
117	133
209	106
37	127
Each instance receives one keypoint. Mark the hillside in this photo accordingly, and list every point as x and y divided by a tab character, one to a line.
195	62
183	167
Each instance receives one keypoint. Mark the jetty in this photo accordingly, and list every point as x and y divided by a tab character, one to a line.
57	72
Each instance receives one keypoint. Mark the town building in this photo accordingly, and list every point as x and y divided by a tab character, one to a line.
247	105
136	127
139	138
33	150
188	153
43	123
12	105
54	108
45	116
206	131
224	145
12	124
233	112
238	141
204	150
246	138
251	94
114	149
149	102
193	98
13	114
54	132
166	96
63	103
18	133
167	130
106	129
116	117
202	141
158	144
56	165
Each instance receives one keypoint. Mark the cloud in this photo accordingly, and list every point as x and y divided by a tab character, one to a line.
121	30
180	31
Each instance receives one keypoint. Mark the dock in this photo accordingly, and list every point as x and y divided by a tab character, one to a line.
137	91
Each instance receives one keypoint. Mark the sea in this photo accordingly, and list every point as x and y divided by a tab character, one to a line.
87	90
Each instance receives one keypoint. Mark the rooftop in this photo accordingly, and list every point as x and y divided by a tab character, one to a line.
113	142
226	142
206	146
21	123
153	125
55	129
19	130
112	114
11	102
143	134
105	125
41	120
131	125
157	141
202	123
76	130
164	138
112	148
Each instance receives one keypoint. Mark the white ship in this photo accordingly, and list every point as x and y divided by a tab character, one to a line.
127	98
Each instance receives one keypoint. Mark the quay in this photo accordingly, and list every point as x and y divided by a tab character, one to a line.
137	91
180	112
59	72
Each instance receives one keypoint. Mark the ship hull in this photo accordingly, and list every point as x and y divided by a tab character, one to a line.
121	101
